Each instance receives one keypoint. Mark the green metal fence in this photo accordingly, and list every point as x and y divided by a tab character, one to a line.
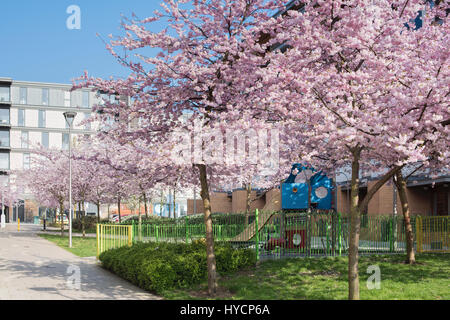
278	234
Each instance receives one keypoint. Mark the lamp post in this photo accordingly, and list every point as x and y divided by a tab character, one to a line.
3	216
70	116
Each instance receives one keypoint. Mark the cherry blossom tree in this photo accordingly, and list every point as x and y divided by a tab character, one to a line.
195	71
357	88
47	179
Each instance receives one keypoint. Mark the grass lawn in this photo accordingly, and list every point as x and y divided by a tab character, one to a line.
66	228
82	247
326	278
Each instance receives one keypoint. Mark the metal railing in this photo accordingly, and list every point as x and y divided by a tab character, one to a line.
278	234
111	236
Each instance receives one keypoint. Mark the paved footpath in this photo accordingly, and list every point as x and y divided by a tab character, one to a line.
32	268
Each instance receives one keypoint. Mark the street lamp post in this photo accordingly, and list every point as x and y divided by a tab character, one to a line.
70	116
3	217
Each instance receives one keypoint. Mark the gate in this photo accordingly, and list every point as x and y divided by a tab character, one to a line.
433	234
113	236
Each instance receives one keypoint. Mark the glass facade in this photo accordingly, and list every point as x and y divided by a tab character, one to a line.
4	116
4	138
26	161
85	100
45	139
67	99
4	160
23	96
65	141
4	94
45	97
21	118
24	139
41	120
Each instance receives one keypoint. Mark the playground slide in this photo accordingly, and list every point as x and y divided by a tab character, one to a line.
272	206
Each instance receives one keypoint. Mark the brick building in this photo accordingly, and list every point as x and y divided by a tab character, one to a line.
425	196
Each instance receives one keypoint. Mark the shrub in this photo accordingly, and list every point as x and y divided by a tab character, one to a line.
90	222
162	266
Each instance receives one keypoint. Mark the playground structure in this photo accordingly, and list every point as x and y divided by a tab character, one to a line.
306	225
304	190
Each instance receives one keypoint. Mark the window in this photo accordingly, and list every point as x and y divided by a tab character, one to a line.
65	141
4	160
21	118
4	138
67	99
23	96
45	139
85	101
4	116
4	94
41	119
24	138
26	161
45	95
87	125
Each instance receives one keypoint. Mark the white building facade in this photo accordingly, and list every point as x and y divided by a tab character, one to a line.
31	114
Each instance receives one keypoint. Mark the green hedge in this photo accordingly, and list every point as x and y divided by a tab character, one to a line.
163	266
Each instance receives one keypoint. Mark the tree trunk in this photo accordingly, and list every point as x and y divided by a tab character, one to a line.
98	212
140	223
355	224
83	212
356	208
61	216
145	204
118	209
210	256
174	206
401	187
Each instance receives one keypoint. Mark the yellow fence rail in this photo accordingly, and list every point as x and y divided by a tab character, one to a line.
433	234
113	236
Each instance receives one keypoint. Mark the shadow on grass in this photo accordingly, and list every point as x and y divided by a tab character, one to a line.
326	279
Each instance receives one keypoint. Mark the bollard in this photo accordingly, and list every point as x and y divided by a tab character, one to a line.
18	224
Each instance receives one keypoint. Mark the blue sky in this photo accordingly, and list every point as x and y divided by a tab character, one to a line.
37	46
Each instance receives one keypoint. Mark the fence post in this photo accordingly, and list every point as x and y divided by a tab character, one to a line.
339	234
187	229
130	235
419	234
257	235
98	240
391	234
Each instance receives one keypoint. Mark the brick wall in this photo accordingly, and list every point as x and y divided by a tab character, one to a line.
220	202
239	202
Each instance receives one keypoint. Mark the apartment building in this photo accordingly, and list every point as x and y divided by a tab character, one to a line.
31	114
